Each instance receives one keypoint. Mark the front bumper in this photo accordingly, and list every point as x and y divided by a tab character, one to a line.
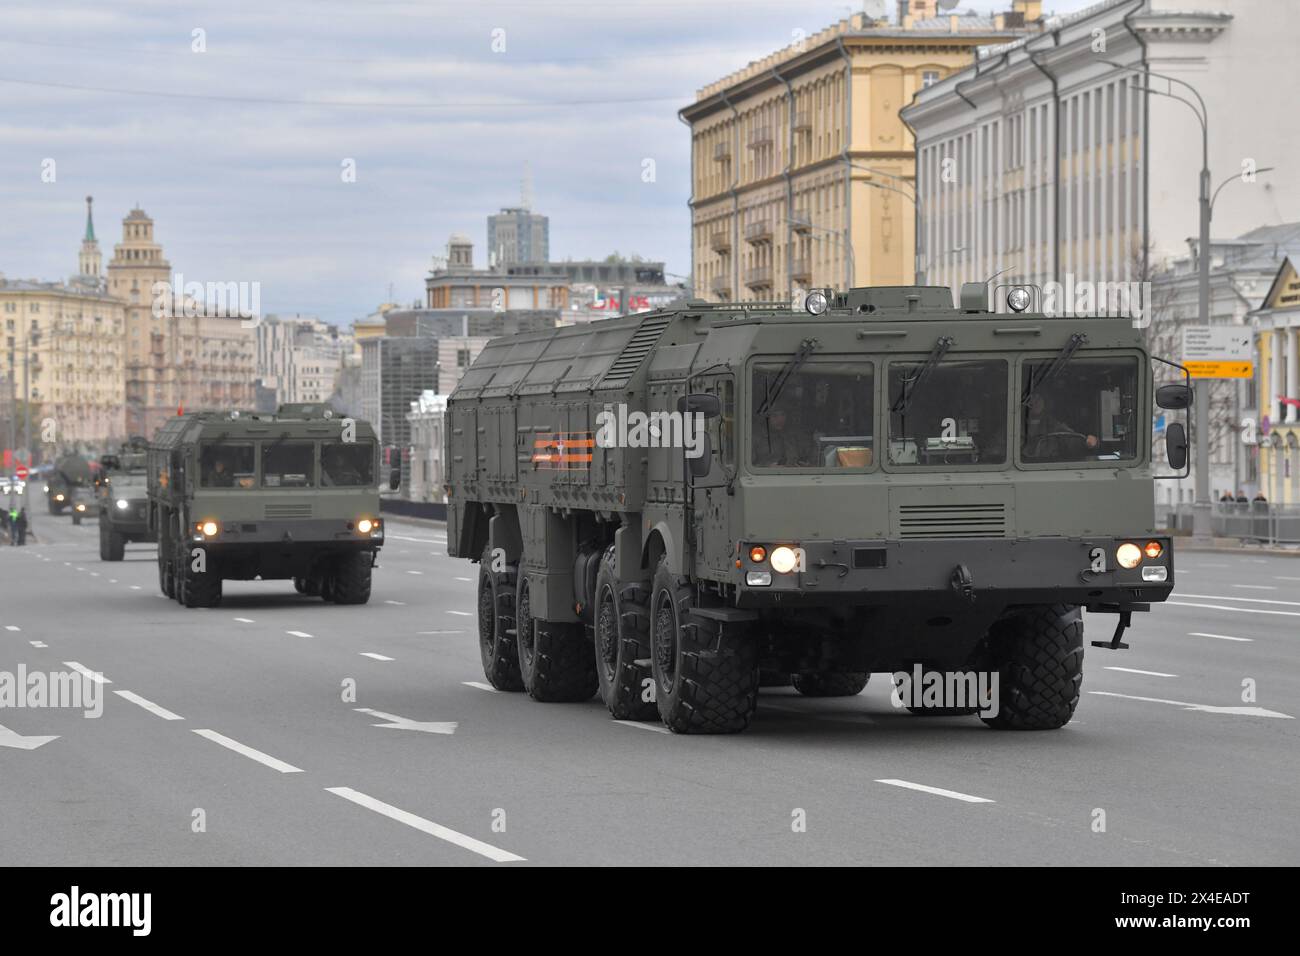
329	533
1008	571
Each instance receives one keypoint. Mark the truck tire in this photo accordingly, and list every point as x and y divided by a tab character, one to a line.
76	517
556	662
621	637
350	582
496	625
706	681
200	589
112	546
830	683
1038	654
300	585
770	678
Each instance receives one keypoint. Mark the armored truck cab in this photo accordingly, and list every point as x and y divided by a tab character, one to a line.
66	486
665	506
240	495
123	492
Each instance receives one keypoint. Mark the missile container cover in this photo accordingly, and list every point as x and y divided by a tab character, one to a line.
879	481
244	495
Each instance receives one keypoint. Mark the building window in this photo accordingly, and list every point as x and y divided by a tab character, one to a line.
929	78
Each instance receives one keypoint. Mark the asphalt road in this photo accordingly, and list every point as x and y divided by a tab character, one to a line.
235	718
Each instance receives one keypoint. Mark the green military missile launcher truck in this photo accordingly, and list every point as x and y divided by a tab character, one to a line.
243	496
123	491
668	505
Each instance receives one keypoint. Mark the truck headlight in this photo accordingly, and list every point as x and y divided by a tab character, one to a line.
758	579
364	525
123	504
783	560
1129	555
81	507
209	529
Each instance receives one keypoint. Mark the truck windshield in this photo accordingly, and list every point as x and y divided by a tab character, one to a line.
288	464
1086	412
959	417
227	465
347	464
823	418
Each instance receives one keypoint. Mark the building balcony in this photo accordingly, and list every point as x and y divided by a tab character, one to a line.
758	277
759	136
721	152
801	270
802	121
800	221
720	241
720	285
758	231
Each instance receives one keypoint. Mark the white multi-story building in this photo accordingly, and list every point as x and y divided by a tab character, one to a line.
300	357
427	475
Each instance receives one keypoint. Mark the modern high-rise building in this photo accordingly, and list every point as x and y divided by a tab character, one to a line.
517	236
802	170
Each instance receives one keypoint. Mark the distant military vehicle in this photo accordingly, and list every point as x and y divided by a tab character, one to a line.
68	487
666	505
123	492
244	495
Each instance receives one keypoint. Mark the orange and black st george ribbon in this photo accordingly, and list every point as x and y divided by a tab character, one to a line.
563	451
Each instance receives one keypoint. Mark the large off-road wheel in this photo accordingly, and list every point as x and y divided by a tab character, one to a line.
621	638
496	624
1038	654
706	674
112	546
300	585
829	683
199	588
350	582
556	661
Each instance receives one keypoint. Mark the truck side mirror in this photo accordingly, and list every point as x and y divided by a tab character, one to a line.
1174	397
700	403
700	466
394	479
1176	442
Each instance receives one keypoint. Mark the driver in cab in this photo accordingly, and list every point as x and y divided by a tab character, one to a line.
1042	428
778	443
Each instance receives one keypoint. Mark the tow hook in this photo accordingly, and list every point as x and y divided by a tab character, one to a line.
962	583
1115	644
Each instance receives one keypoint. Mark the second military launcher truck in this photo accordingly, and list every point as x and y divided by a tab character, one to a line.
123	491
242	496
879	482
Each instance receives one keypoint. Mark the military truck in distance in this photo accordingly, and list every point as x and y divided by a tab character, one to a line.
882	481
245	495
68	487
123	491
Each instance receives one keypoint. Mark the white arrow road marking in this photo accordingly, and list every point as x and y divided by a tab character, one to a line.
404	723
1222	637
249	752
84	671
1235	610
937	791
1204	708
38	644
12	627
642	725
1133	670
375	657
480	686
298	633
425	826
18	742
148	705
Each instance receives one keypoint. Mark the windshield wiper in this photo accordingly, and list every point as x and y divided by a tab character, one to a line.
908	390
1049	372
774	388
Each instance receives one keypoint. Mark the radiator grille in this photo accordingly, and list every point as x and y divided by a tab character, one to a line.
952	521
287	511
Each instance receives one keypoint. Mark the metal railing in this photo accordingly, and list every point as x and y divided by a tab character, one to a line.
1255	521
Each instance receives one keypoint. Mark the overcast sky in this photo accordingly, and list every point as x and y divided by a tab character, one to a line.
237	152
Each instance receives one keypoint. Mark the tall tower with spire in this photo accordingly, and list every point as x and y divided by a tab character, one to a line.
90	262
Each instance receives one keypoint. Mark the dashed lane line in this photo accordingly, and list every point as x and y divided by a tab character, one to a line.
376	657
397	603
12	627
462	613
38	644
937	791
249	752
148	705
1256	587
493	853
298	633
245	620
1228	597
1221	637
1134	670
1235	610
479	685
86	672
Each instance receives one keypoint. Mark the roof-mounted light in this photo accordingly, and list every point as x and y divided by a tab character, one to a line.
1018	299
816	302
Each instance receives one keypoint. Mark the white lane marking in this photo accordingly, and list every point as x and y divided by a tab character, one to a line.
81	569
248	752
642	725
464	579
376	657
1235	610
1280	577
414	572
1257	587
94	574
148	705
1134	670
112	580
480	685
1222	637
9	738
12	627
38	644
398	603
405	537
462	613
425	826
1204	708
244	620
84	671
439	632
298	633
136	587
395	722
937	791
1228	597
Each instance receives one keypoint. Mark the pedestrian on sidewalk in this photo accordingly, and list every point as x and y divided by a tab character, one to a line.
20	527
